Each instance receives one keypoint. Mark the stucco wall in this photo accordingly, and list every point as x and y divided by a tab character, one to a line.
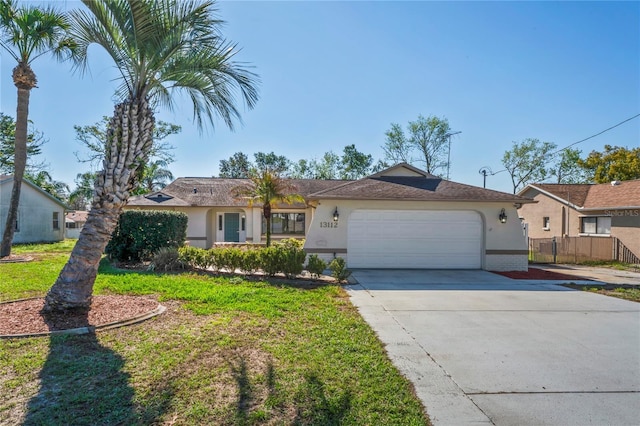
202	228
35	215
558	213
498	239
626	228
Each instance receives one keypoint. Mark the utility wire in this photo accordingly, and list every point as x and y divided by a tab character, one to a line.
580	141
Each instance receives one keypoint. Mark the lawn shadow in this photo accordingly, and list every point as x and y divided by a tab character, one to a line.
318	406
83	382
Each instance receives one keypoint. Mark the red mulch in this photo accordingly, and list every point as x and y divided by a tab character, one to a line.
25	316
539	274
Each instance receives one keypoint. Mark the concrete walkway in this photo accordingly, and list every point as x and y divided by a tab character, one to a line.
484	349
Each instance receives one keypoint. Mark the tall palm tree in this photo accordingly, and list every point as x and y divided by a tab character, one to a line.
158	47
267	188
26	33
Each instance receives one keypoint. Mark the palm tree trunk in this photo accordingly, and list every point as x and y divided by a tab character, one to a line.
267	217
25	80
129	139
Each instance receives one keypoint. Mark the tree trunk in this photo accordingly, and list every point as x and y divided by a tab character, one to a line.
129	139
25	80
266	211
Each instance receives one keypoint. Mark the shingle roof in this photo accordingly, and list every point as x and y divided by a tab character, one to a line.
621	194
574	193
400	182
595	196
216	192
76	216
414	188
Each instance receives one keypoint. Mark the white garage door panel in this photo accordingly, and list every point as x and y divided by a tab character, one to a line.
414	239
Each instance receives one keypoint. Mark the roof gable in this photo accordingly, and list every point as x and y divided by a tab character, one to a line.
6	179
591	196
402	169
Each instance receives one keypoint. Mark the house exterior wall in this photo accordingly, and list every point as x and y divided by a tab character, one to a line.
203	227
625	223
35	215
559	215
505	247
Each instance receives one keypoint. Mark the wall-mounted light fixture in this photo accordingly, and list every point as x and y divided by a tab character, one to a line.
502	216
336	215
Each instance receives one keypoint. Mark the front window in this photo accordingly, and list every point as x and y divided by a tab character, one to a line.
285	223
56	220
596	225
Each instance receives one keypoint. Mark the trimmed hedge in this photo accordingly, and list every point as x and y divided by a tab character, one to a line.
286	257
141	233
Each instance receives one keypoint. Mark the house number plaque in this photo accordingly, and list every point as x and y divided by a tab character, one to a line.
328	224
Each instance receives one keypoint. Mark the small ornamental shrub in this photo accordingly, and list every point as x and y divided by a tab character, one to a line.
194	257
139	234
166	259
250	261
316	266
292	257
271	260
339	269
229	258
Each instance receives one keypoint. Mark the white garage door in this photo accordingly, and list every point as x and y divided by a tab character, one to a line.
414	239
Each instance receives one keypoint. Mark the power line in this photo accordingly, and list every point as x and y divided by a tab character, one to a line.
580	141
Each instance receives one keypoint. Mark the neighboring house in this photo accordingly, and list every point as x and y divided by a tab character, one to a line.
401	217
602	210
74	221
40	215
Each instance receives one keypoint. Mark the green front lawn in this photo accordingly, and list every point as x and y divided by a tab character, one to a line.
226	352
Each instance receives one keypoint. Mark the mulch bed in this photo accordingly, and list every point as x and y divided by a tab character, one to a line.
16	258
25	316
539	274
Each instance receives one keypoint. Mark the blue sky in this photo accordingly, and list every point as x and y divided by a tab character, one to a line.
339	73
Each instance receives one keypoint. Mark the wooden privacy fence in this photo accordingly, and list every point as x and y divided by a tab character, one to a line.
579	249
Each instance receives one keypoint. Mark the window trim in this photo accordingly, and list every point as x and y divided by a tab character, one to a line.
596	233
293	215
56	221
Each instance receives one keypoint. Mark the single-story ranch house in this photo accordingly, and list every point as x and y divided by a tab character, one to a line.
40	216
584	210
401	217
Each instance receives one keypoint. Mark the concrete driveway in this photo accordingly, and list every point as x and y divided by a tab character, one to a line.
484	349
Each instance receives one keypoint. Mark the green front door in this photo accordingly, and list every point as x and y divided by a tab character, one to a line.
232	227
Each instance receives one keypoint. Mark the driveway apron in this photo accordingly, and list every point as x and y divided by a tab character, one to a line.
481	348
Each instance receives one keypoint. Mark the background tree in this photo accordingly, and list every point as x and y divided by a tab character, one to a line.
158	47
567	168
396	148
615	163
327	167
527	162
44	181
35	140
425	146
266	187
354	164
275	163
26	33
301	169
236	167
80	198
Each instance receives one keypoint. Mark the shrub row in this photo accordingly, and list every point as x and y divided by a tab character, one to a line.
286	257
